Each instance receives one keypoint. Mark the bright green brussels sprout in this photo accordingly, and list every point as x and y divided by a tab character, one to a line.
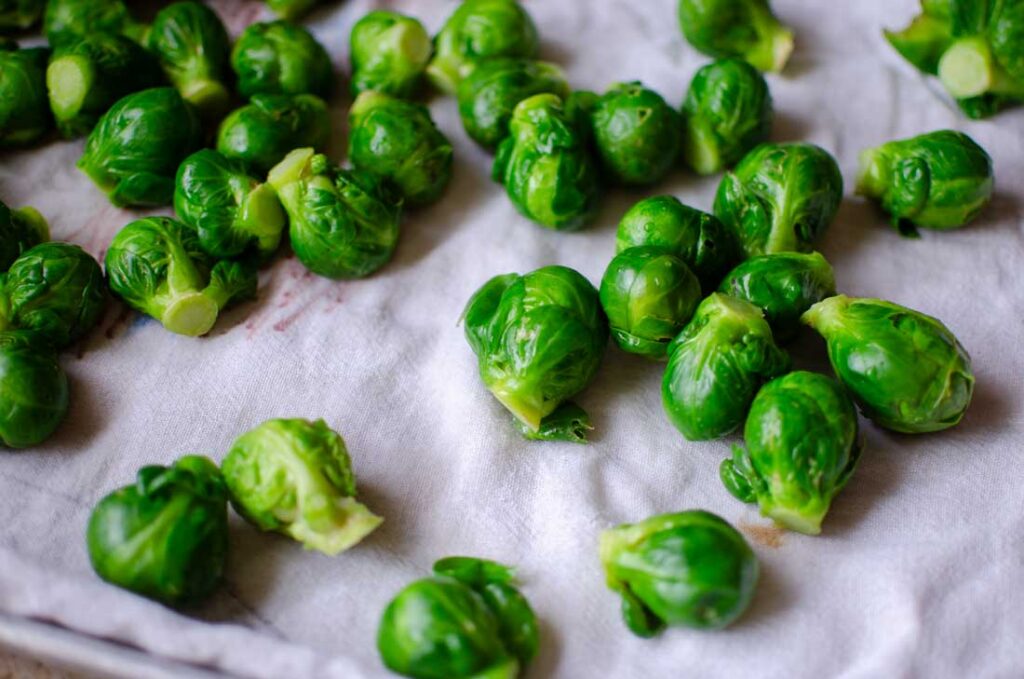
24	109
745	29
547	167
390	53
397	141
156	265
783	286
649	294
716	365
906	370
780	198
467	621
20	230
291	9
20	15
281	58
568	422
539	339
74	19
478	30
295	477
802	448
33	391
166	536
263	132
689	569
939	180
134	151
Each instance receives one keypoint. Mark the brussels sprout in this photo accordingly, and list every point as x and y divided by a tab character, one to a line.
343	223
783	286
397	141
33	391
20	230
906	370
157	266
166	536
478	30
134	151
689	569
746	29
467	621
539	339
390	53
780	198
802	448
281	58
649	294
291	9
568	422
295	477
74	19
270	126
24	109
20	15
547	167
716	365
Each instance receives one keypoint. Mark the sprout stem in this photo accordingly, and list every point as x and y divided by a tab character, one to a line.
193	315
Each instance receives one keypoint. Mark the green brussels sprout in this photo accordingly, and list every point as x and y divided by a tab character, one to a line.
689	569
397	141
20	230
539	339
906	370
939	180
263	132
295	477
156	265
291	9
24	109
726	113
802	448
33	391
166	536
547	167
568	422
478	30
780	198
20	15
467	621
745	29
68	20
716	365
783	286
390	53
232	212
649	295
281	58
134	151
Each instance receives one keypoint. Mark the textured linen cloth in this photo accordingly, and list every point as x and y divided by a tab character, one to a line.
920	567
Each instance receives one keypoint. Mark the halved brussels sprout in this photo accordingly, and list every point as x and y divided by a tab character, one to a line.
24	109
33	391
390	53
20	230
746	29
281	58
20	15
270	126
75	19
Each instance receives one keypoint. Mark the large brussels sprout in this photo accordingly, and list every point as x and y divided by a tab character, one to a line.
74	19
24	109
780	198
802	448
467	621
295	477
20	230
165	536
291	9
397	141
746	29
716	365
20	15
281	58
390	53
689	569
134	151
263	132
906	370
33	391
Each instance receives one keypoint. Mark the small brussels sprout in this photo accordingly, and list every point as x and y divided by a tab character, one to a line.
783	286
33	391
157	266
649	295
547	167
24	109
478	30
20	230
468	620
939	180
134	151
343	223
74	19
291	9
390	53
295	477
20	15
780	198
263	132
802	448
539	339
166	536
688	569
281	58
568	422
906	370
745	29
397	141
716	365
